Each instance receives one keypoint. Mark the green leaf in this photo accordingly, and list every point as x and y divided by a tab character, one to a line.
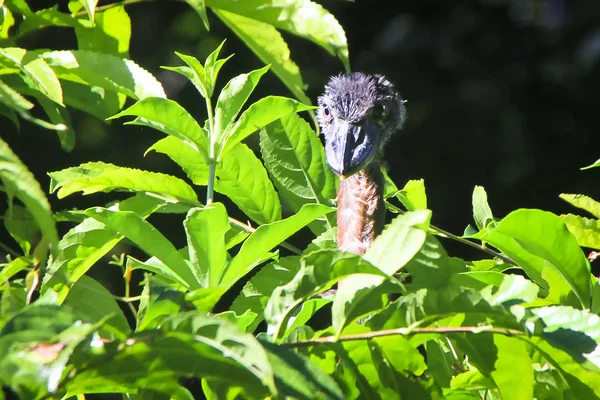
46	17
295	159
37	71
524	234
232	98
22	227
184	155
390	251
265	238
400	241
90	8
296	377
110	33
302	18
35	369
319	271
15	101
101	177
87	243
585	230
94	303
241	348
205	229
61	118
413	196
155	361
200	7
259	114
159	301
482	214
513	364
594	165
268	45
12	268
106	71
169	117
256	292
93	100
431	267
162	271
584	202
19	182
242	177
148	238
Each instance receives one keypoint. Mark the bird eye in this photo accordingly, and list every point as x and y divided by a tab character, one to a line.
326	113
379	111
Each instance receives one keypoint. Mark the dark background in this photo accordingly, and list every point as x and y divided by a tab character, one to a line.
501	93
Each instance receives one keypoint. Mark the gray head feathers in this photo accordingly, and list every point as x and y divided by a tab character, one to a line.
358	114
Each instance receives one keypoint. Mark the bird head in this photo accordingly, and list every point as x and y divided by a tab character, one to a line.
358	113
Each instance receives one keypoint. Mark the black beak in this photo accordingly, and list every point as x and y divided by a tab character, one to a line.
350	147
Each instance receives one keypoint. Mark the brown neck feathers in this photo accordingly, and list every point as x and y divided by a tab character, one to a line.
361	212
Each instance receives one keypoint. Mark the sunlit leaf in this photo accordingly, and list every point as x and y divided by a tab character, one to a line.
148	238
302	18
268	44
242	177
319	271
584	202
232	98
200	7
36	70
106	71
90	8
101	177
256	292
585	230
95	303
86	243
110	33
531	236
266	237
482	214
297	377
413	196
259	114
169	117
205	230
513	364
295	159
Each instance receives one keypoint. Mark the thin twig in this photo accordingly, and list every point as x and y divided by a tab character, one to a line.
10	251
445	233
109	6
407	332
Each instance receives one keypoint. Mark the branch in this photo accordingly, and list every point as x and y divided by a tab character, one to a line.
478	246
407	332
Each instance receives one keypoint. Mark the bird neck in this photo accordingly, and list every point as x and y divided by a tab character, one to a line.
361	211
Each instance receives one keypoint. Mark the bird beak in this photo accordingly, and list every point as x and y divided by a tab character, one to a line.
352	146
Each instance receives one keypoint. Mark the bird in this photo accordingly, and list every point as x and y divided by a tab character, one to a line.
358	113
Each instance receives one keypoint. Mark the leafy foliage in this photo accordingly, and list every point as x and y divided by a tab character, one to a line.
238	307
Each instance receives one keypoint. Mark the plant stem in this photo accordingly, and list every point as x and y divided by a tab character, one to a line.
212	162
478	246
109	6
10	251
407	332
